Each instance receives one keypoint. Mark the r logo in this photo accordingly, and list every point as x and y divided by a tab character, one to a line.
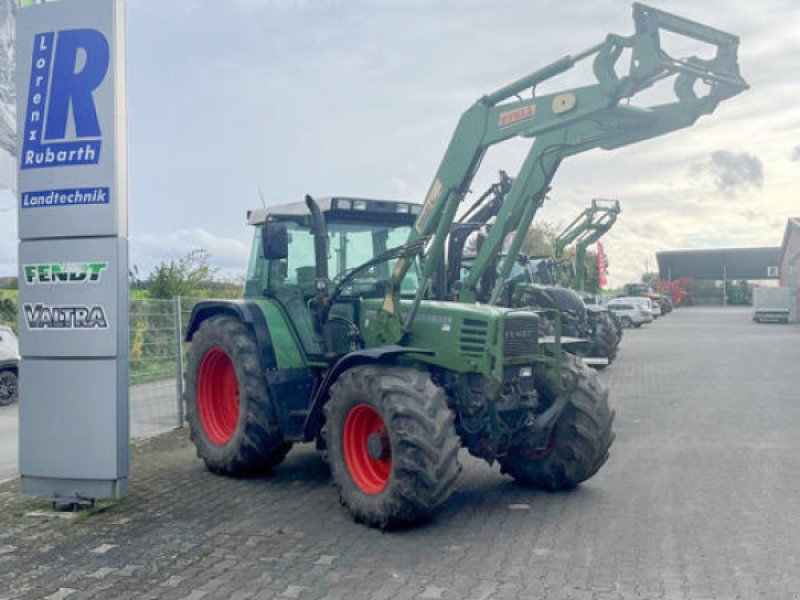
67	67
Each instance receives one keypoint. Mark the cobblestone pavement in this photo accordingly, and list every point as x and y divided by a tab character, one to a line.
700	500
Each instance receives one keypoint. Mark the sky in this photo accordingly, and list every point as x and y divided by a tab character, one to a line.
230	100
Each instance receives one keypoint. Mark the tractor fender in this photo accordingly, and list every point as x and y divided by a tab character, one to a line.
248	313
359	357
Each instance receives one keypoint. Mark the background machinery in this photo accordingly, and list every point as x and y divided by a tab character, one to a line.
532	284
339	341
591	225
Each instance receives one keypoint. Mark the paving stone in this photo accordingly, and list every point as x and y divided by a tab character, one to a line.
60	594
103	548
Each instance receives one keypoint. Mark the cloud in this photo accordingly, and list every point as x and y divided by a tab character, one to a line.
732	171
229	255
796	154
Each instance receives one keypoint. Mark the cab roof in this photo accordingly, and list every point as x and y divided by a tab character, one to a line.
341	209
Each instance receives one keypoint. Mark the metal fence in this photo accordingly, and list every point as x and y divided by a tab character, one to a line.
157	329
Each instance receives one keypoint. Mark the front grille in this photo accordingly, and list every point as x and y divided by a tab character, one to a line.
521	336
473	337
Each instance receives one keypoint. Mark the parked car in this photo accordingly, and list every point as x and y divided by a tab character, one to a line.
9	366
632	311
655	307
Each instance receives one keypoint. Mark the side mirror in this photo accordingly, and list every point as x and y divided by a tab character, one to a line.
274	241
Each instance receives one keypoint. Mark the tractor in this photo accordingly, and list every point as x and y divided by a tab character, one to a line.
538	283
340	341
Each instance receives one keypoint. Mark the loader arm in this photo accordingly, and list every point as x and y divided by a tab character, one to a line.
592	224
562	124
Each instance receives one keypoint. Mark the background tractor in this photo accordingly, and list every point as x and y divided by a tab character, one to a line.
540	283
339	338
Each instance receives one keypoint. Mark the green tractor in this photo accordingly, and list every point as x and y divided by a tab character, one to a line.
339	339
305	357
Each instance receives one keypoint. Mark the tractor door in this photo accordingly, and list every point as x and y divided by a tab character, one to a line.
290	277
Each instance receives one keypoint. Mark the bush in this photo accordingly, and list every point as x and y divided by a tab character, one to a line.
8	311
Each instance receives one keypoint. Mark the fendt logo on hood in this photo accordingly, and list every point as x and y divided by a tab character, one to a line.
67	67
50	273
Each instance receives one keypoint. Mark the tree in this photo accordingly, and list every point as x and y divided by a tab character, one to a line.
540	239
649	277
8	312
183	277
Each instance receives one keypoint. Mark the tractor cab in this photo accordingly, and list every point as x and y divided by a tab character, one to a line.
297	258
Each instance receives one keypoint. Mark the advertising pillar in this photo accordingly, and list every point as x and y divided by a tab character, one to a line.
73	249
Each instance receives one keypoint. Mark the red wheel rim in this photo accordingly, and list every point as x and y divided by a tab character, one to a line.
370	474
218	396
548	449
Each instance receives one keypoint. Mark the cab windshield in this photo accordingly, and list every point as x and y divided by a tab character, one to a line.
349	246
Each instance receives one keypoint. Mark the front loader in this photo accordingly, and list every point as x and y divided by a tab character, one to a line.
339	341
534	282
587	229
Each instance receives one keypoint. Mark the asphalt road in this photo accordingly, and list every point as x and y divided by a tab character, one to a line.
700	500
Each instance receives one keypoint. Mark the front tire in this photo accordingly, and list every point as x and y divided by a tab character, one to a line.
231	416
605	341
391	444
9	387
580	441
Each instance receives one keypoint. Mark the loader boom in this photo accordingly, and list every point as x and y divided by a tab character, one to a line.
562	124
592	224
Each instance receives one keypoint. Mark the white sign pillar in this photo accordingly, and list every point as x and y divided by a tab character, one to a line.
73	250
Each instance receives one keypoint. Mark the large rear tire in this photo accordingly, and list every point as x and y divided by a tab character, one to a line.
580	441
232	419
391	444
9	387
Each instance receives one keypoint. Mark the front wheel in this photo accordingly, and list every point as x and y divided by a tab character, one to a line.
391	444
9	387
605	340
581	438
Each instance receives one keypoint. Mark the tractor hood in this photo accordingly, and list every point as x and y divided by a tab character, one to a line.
466	337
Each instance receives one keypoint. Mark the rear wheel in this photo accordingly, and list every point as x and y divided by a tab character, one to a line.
9	387
580	441
232	420
391	444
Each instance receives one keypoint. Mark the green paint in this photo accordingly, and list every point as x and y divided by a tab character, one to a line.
284	342
48	273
